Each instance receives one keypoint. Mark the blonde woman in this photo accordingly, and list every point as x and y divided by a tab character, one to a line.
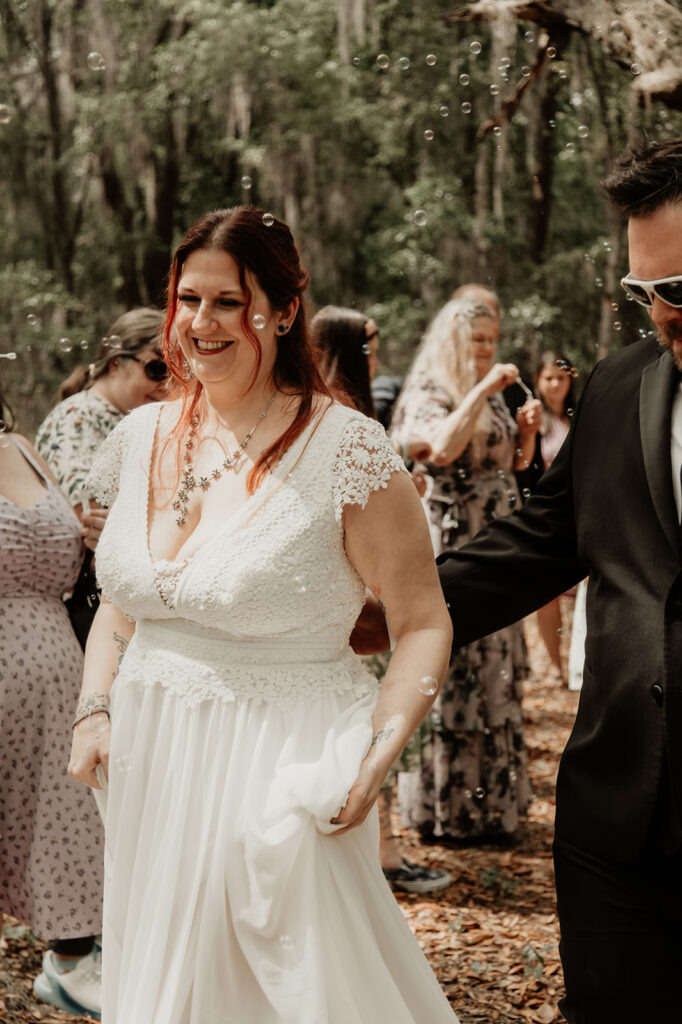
470	781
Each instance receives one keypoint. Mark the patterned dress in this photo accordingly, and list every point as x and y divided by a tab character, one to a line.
467	772
70	437
51	841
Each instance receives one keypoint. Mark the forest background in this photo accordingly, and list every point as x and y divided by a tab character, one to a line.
411	147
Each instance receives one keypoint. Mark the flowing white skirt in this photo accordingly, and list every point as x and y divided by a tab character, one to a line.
227	901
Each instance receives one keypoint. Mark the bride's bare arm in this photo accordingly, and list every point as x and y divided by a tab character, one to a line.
107	643
388	543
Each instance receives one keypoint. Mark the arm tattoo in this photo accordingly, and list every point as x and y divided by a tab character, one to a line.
381	736
121	646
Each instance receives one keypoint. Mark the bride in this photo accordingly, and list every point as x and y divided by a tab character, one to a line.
240	751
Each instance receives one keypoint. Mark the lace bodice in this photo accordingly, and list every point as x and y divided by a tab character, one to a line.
275	578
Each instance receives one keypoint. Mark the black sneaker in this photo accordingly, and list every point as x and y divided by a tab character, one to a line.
416	878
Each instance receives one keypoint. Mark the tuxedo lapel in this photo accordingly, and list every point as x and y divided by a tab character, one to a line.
655	406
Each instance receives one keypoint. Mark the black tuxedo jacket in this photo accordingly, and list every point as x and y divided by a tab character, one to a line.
604	508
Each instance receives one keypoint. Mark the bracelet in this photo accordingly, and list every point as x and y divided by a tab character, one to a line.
89	706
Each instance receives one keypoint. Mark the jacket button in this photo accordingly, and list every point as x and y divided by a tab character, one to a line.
656	692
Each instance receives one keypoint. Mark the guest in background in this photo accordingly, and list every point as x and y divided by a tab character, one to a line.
51	841
347	343
127	372
472	780
554	378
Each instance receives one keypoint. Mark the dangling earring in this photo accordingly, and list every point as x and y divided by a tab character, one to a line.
282	329
187	371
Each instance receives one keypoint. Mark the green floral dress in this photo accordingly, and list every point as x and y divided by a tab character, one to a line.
70	437
466	770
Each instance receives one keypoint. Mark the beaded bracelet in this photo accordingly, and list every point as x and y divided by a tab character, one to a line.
88	706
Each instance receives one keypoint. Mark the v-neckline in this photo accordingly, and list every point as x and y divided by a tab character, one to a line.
180	564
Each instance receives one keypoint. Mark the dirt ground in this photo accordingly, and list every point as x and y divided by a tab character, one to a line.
491	937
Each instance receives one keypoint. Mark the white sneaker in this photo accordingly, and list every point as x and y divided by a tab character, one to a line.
77	989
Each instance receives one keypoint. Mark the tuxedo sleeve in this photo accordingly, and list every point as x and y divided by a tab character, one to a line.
521	561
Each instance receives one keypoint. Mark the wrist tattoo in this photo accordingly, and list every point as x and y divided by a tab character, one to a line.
381	736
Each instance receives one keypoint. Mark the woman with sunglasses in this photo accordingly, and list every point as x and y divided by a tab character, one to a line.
127	372
247	744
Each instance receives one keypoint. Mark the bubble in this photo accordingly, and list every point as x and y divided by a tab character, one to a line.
96	61
84	344
570	147
504	674
464	79
494	89
286	942
616	27
403	63
246	181
383	61
551	52
583	131
525	71
8	355
636	68
598	282
497	131
258	321
122	763
617	325
569	412
356	61
5	114
479	793
444	111
268	220
32	320
420	217
429	135
468	794
512	775
466	108
662	35
475	47
526	492
461	473
551	123
563	73
428	685
504	64
431	59
113	341
299	582
65	344
529	37
614	307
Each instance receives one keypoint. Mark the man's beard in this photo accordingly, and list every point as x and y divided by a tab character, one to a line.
670	336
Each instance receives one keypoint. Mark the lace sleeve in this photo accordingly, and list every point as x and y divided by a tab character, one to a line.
365	461
101	483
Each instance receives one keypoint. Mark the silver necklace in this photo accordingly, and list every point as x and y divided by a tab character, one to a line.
189	482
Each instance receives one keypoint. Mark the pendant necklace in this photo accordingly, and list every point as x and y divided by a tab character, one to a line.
189	482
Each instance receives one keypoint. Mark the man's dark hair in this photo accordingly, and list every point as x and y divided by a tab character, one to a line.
646	176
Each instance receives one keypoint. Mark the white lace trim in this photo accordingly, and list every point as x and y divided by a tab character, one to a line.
195	677
102	482
365	461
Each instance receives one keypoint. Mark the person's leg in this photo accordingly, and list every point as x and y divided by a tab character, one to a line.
400	872
549	624
621	937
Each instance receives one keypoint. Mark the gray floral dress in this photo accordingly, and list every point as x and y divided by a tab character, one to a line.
70	437
467	767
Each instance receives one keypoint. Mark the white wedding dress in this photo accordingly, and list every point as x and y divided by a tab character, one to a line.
240	717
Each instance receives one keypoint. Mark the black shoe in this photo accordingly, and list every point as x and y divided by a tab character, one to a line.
416	878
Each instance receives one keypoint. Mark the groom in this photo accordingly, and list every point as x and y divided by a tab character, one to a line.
610	507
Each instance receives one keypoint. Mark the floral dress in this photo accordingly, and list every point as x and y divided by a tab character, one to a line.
467	769
70	437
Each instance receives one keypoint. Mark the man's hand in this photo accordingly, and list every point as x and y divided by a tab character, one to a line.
370	633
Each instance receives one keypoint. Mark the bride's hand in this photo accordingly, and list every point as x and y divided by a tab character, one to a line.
361	799
89	748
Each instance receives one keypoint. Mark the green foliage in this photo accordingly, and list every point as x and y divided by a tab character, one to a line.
392	199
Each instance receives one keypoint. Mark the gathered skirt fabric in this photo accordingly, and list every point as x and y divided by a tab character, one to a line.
227	898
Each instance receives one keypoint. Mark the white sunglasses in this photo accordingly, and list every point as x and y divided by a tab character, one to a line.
667	289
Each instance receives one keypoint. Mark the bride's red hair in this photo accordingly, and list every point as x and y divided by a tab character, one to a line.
270	254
